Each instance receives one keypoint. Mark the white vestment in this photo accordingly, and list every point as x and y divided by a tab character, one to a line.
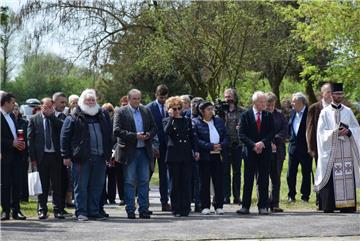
338	156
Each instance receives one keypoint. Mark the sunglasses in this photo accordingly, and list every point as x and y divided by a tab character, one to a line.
176	108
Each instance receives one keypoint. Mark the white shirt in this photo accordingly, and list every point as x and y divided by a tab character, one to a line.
255	113
297	120
10	122
214	134
52	149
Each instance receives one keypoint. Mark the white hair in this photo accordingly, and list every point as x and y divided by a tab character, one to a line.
132	92
185	98
257	95
299	96
73	97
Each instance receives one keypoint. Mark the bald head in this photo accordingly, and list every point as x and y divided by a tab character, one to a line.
326	92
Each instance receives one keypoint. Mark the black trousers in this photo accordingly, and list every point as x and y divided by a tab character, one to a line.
65	182
275	177
50	170
305	161
213	169
115	179
180	196
24	188
10	185
233	162
256	166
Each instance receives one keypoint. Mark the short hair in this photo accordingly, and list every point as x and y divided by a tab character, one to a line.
6	97
257	95
57	95
324	87
162	90
299	96
85	94
270	97
108	106
234	93
174	101
133	91
185	98
72	97
43	100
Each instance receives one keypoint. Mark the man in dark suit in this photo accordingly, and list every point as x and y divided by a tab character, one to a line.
11	147
256	132
44	149
298	151
134	128
158	111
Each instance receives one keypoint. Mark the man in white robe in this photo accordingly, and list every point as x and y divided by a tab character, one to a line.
338	140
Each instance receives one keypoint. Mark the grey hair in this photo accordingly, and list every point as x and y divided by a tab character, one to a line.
299	96
257	95
57	95
72	97
133	91
85	94
185	98
270	97
326	86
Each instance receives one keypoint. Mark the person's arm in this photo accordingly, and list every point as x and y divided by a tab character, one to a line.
65	138
168	124
270	135
225	141
282	134
244	127
119	130
202	144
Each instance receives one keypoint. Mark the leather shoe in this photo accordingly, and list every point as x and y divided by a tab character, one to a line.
226	201
197	209
277	210
59	216
144	215
122	203
17	215
243	211
291	200
149	212
103	213
43	215
166	207
5	216
131	215
237	201
263	211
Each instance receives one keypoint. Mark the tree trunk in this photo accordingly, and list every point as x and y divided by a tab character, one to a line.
310	91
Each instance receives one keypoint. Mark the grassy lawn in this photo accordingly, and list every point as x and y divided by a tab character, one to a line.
29	209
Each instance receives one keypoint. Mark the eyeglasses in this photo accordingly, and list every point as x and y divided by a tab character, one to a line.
176	108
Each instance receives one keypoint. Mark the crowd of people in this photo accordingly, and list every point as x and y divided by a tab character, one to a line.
198	146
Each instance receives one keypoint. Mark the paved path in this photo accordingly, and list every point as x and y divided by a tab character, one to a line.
294	225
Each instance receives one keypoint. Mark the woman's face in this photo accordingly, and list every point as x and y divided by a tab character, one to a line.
208	112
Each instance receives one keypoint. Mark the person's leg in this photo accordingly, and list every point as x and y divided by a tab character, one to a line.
276	182
57	180
249	173
15	186
236	169
96	184
111	185
5	188
197	184
291	175
306	177
204	169
217	169
80	175
163	177
227	174
130	177
185	176
119	180
44	173
175	191
143	176
263	181
272	175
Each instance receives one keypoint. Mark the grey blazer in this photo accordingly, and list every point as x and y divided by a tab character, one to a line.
36	136
125	133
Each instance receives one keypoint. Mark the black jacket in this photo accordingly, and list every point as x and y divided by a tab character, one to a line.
297	143
8	152
75	136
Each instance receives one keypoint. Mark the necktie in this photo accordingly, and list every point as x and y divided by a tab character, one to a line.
162	111
47	134
258	122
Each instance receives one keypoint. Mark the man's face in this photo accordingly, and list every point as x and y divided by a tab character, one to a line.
297	104
326	95
135	100
9	106
337	96
73	103
60	103
229	97
161	98
16	110
260	103
270	106
90	101
47	104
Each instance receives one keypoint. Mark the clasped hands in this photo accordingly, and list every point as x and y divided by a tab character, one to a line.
258	148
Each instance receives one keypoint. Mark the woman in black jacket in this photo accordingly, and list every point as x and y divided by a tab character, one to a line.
212	137
181	149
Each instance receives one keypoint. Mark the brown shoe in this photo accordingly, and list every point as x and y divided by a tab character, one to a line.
277	210
166	207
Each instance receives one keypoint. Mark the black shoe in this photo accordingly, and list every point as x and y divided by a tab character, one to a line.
277	210
237	201
291	200
243	211
66	214
166	207
97	217
144	215
59	216
69	205
103	213
122	203
112	202
226	200
197	209
17	215
5	216
131	215
43	215
328	211
304	200
149	212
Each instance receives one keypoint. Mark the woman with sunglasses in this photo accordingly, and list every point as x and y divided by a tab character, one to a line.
212	137
181	149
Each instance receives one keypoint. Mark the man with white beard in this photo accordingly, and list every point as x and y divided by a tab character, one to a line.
86	144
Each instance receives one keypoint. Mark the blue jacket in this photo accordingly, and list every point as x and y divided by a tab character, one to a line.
202	131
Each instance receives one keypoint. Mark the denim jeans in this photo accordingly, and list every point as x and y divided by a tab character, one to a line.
136	176
88	179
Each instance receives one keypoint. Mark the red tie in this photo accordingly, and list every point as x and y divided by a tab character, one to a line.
258	121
